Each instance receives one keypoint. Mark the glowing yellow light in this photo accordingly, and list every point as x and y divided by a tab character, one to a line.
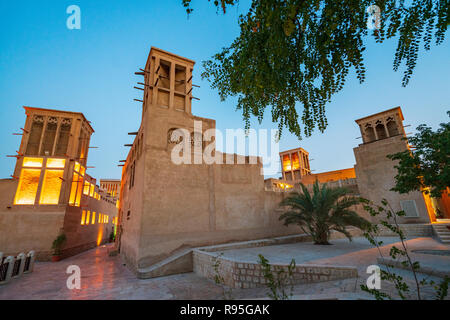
56	163
86	188
77	166
295	161
73	192
83	217
79	191
286	163
100	217
99	236
51	187
32	162
28	185
92	190
284	186
82	170
88	216
93	217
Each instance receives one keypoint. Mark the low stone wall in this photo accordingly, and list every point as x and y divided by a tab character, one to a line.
410	230
422	269
250	275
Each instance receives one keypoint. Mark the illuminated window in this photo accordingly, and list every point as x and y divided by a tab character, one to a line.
87	217
56	163
77	185
77	167
51	187
83	217
74	199
100	217
86	188
93	217
295	161
28	185
92	190
286	163
82	170
32	162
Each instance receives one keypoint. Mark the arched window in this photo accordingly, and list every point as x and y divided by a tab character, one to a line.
370	134
392	128
381	132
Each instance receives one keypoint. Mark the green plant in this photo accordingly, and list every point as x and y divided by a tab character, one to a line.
425	167
389	220
112	236
277	278
58	244
299	53
325	210
227	293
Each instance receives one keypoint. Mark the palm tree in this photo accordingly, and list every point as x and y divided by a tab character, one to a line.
325	210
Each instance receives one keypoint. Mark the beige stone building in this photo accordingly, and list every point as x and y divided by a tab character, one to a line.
373	174
166	208
50	191
294	164
111	188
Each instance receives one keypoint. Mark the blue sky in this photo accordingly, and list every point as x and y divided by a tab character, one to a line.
44	64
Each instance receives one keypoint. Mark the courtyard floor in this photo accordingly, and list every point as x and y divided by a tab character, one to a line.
104	277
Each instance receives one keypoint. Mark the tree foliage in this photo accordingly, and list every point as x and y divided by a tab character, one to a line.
301	51
389	220
325	210
427	165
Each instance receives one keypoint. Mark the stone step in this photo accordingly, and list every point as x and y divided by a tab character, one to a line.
180	262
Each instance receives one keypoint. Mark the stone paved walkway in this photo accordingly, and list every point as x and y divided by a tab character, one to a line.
104	277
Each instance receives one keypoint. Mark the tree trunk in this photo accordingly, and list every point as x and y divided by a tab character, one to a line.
321	238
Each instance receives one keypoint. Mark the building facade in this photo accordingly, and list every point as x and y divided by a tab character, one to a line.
166	207
50	192
294	164
383	134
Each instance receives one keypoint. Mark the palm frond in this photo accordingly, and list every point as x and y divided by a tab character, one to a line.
321	211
